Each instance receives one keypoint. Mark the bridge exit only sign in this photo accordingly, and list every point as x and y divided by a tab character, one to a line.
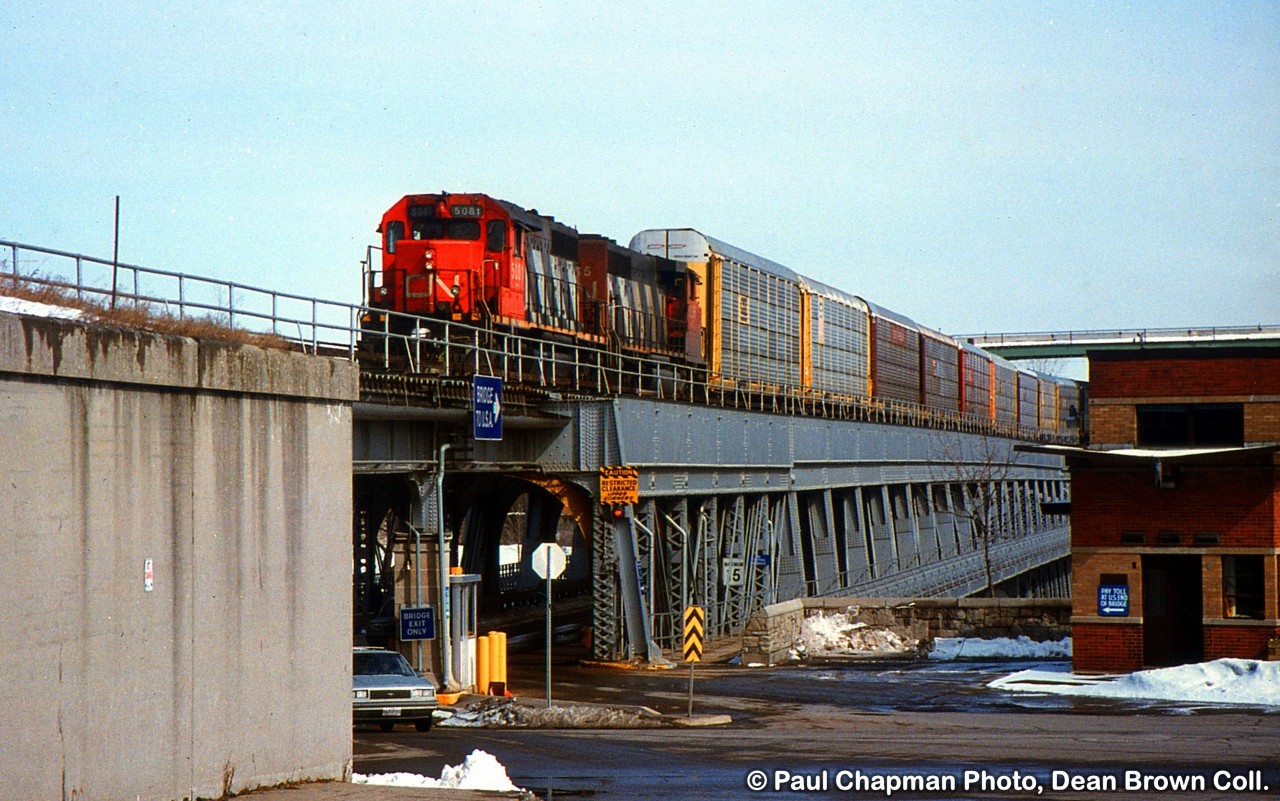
486	407
417	623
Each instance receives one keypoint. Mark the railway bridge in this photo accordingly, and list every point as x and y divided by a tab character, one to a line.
741	499
741	495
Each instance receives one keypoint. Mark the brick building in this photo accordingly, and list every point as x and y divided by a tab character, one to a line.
1175	508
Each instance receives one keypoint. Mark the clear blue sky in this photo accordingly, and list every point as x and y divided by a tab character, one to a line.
977	166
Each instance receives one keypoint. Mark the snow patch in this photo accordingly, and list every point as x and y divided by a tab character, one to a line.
33	308
479	771
840	634
999	648
1223	681
509	713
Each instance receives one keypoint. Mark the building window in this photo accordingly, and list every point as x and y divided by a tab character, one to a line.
1190	424
1242	586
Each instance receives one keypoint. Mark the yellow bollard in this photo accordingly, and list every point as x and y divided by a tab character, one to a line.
502	660
495	665
482	665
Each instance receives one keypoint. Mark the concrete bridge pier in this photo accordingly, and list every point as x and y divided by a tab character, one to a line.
175	522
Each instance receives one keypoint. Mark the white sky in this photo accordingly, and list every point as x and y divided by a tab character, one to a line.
977	166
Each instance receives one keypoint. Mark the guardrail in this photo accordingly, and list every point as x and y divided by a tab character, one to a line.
1126	336
310	322
399	350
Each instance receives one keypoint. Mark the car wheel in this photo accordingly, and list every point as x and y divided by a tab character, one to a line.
386	725
422	725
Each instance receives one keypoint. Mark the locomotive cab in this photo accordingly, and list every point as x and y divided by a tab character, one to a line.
453	257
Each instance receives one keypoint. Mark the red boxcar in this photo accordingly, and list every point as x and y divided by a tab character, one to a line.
939	371
976	396
895	356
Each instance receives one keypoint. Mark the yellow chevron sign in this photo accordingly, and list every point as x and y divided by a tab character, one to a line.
695	621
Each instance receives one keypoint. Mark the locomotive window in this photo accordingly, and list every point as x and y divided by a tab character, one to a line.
497	236
395	232
447	229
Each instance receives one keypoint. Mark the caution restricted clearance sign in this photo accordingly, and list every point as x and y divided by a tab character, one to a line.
619	485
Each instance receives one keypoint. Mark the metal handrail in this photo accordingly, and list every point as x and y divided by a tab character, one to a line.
1123	335
442	349
305	320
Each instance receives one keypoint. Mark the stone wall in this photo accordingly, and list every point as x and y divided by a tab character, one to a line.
771	632
177	518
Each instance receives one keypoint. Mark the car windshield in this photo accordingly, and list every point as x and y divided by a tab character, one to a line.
381	664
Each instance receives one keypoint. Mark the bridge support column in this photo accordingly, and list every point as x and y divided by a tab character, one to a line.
635	610
431	545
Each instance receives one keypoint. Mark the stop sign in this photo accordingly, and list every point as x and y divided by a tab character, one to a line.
548	560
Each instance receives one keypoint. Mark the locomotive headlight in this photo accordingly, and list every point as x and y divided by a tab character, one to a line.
382	291
454	290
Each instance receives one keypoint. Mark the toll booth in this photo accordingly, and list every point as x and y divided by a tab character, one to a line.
463	624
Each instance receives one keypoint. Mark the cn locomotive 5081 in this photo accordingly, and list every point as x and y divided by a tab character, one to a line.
685	296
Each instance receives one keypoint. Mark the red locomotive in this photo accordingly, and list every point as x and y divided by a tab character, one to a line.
477	259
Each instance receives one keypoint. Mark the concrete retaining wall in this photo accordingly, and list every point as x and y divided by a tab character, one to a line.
226	470
772	632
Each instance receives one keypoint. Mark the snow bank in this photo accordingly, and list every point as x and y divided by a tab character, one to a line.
838	634
479	771
999	648
1224	681
32	308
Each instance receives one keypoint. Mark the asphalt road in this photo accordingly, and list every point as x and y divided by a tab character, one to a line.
817	732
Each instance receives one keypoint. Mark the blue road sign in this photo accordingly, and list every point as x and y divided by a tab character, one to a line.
1113	600
417	623
486	407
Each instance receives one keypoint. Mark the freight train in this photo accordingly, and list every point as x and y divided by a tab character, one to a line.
679	295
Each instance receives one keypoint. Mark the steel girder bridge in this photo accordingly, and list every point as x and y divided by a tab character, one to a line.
736	508
745	495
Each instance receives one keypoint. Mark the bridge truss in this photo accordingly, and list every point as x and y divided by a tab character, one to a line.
748	495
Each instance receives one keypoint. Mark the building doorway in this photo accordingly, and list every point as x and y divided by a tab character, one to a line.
1172	610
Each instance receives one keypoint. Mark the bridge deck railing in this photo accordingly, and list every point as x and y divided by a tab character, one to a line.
311	323
1125	335
405	346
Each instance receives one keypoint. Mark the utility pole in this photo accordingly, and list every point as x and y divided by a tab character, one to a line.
115	255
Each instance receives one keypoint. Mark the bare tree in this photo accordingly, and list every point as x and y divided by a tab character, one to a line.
979	466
